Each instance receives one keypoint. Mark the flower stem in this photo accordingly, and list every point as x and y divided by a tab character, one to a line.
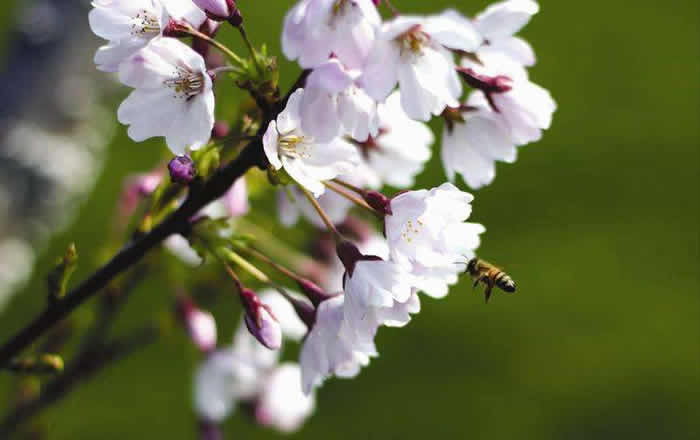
349	186
195	33
321	213
273	246
245	265
352	197
259	255
247	42
224	69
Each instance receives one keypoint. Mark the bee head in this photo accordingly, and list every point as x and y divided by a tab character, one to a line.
471	265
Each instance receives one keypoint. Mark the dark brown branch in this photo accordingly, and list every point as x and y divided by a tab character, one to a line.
82	369
178	222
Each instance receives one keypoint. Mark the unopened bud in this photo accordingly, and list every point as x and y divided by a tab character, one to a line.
221	130
41	364
378	201
220	10
260	321
182	170
59	277
200	324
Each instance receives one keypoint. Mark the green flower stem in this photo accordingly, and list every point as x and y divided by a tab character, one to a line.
228	52
321	213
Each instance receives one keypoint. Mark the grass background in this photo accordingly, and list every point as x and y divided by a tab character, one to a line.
598	223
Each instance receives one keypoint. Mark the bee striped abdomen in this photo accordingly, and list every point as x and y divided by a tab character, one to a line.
505	282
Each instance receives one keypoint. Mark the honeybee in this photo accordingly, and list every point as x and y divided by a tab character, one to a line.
490	275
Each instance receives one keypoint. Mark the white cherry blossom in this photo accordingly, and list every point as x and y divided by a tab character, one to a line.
328	350
200	325
334	104
306	161
471	148
230	375
282	403
173	95
129	25
427	234
400	150
375	291
500	22
414	51
526	108
315	29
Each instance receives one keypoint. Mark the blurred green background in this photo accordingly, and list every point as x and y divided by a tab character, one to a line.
598	223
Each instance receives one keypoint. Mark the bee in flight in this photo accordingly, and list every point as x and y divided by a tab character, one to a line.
490	275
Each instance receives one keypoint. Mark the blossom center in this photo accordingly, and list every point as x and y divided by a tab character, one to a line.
412	230
145	24
295	146
185	83
413	40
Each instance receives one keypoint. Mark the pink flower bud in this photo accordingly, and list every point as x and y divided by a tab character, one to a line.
136	188
260	320
219	10
200	324
221	130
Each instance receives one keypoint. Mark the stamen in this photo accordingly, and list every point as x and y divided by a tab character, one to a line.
295	146
185	83
145	24
412	230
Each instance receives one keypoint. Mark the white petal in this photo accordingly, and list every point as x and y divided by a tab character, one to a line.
504	19
330	76
319	114
516	48
271	145
193	124
453	31
108	58
380	73
290	117
303	175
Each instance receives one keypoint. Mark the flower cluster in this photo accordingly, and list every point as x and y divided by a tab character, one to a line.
354	122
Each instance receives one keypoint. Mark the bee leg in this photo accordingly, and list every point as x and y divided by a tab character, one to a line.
476	283
487	293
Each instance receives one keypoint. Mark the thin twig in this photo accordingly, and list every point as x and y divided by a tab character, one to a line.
195	33
351	197
329	224
278	267
82	369
349	186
